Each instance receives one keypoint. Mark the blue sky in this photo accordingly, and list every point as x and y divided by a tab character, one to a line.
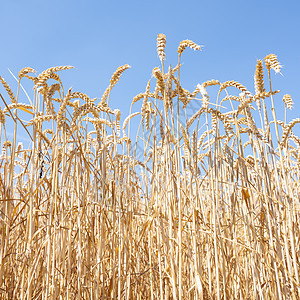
98	36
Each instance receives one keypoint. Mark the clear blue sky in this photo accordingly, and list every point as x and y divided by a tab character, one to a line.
98	36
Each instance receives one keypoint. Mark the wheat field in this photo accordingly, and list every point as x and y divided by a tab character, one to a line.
161	204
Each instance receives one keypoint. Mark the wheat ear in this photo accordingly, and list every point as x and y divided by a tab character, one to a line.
235	84
287	129
113	81
287	99
272	63
161	45
8	90
25	71
187	43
